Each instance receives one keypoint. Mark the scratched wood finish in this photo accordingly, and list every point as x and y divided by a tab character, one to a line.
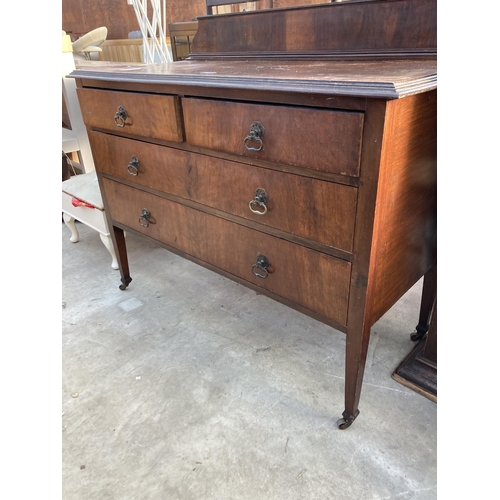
249	79
392	26
317	210
291	135
234	248
150	115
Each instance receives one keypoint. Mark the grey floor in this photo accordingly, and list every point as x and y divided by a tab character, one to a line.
190	386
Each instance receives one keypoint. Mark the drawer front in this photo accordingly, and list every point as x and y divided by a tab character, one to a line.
148	115
313	209
306	277
319	139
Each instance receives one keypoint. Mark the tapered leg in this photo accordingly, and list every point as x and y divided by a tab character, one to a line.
429	290
118	236
356	350
70	222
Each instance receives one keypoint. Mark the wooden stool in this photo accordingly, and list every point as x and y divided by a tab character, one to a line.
82	200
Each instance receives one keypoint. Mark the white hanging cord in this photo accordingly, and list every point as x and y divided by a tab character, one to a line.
70	163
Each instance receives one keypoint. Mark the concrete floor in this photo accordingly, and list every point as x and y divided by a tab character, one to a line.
190	386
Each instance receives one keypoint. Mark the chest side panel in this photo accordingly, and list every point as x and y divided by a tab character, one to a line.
404	240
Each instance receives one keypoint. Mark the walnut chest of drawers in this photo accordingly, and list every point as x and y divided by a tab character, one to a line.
313	182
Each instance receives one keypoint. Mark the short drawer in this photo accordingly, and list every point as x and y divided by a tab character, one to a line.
317	210
149	115
312	279
319	139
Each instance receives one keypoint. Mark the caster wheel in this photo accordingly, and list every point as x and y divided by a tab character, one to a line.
342	423
418	334
346	420
125	283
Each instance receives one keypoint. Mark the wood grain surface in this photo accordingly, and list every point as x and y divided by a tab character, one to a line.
317	210
234	248
291	134
150	115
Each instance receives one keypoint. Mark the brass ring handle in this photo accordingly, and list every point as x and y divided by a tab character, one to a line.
256	131
260	199
253	138
262	264
258	212
144	218
120	116
133	166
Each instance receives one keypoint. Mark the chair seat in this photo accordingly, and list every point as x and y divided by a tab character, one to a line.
85	188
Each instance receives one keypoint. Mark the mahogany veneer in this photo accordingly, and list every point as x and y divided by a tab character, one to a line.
294	152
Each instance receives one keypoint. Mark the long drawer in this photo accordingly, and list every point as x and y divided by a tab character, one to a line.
317	210
148	115
319	139
306	277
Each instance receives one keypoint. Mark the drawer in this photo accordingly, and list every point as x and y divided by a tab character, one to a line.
317	210
149	115
306	277
319	139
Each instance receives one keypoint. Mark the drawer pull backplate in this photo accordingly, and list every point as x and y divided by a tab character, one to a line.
260	199
262	264
133	166
256	131
120	116
144	218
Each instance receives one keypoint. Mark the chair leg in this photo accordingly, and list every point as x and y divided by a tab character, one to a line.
70	222
109	245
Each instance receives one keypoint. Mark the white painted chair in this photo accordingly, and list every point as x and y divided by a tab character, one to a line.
81	200
88	46
81	196
74	140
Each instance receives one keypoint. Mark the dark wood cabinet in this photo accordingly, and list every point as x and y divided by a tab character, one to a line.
418	370
301	166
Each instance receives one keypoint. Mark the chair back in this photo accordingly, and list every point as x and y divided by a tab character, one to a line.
74	134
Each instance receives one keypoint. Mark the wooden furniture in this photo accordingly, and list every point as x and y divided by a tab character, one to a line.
418	370
81	16
303	167
181	38
125	50
122	50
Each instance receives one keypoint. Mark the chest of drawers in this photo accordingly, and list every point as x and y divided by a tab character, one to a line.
318	189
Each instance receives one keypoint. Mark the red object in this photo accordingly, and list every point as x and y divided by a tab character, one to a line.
79	203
